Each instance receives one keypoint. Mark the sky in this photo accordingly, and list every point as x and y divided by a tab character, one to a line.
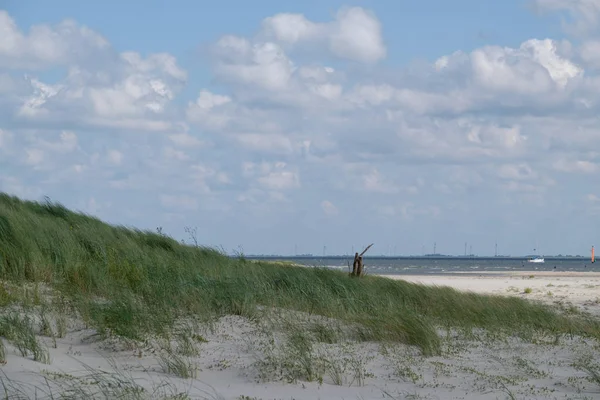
280	127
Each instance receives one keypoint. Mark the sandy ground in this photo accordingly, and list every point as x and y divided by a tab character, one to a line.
242	359
582	289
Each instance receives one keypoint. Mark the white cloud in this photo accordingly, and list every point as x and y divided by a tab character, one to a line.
115	157
34	156
269	68
355	34
329	208
207	100
495	136
409	211
185	140
209	110
592	198
517	172
272	176
534	68
374	182
577	166
134	93
45	45
272	143
175	154
102	87
280	180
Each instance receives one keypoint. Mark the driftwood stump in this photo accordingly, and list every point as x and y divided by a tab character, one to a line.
357	266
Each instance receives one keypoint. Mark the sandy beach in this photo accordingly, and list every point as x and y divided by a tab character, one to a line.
581	289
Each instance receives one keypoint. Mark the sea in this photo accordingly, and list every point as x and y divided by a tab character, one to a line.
444	266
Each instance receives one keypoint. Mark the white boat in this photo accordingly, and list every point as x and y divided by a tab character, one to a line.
536	259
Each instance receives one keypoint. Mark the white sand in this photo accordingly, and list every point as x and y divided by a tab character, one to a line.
229	366
582	289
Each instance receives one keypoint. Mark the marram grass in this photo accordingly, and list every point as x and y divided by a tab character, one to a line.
134	282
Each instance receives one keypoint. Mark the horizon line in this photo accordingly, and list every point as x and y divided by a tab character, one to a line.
436	256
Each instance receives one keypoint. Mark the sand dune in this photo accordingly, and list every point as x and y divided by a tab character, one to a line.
236	358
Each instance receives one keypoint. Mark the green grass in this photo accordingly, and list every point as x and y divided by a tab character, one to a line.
132	283
19	330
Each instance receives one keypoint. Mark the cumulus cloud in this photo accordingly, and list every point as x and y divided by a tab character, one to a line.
534	68
101	86
355	34
44	46
134	89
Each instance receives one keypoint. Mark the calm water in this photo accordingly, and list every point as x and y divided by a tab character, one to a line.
447	266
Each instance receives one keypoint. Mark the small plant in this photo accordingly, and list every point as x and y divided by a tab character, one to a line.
347	366
2	352
359	372
187	341
19	331
5	297
300	361
173	363
529	368
45	325
92	383
506	390
336	372
193	234
528	290
401	362
61	326
324	333
293	360
591	367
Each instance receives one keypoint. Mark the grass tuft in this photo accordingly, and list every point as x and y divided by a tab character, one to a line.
590	366
174	363
2	352
19	331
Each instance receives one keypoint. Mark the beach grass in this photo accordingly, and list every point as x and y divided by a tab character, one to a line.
134	283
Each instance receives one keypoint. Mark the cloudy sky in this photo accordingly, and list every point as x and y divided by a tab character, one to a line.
279	127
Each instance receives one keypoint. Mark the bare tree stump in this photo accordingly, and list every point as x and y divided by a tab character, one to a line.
357	266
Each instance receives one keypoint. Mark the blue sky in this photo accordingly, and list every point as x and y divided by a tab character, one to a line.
280	125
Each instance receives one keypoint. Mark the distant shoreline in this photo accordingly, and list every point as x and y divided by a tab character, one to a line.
455	258
494	274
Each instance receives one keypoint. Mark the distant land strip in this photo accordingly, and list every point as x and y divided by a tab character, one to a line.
425	257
